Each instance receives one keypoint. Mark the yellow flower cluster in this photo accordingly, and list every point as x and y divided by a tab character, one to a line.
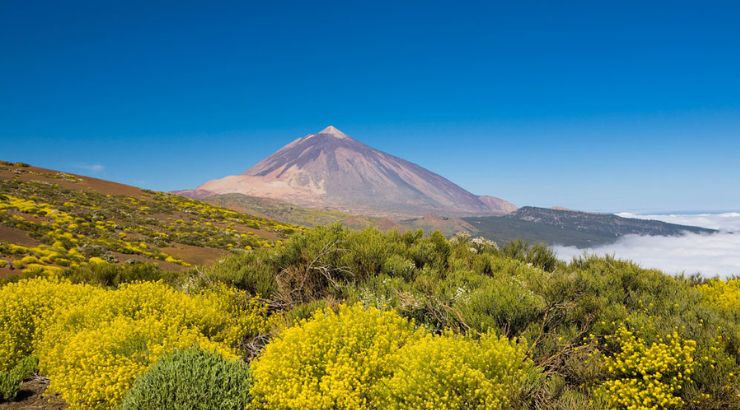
724	295
92	343
95	367
65	232
331	361
647	377
454	372
27	308
360	358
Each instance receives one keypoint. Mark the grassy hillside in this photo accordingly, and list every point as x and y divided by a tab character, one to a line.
52	220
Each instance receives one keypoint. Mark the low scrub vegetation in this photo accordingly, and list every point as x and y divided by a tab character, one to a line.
333	318
191	378
78	227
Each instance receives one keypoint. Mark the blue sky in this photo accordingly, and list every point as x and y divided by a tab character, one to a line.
620	106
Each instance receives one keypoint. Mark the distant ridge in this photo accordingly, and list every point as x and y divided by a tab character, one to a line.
331	169
571	228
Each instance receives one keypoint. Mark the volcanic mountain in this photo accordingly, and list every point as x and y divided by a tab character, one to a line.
330	169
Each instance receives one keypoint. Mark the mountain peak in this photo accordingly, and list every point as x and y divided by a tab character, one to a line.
334	132
330	169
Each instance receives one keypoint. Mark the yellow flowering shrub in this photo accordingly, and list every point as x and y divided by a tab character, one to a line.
455	372
95	367
110	340
26	310
92	343
647	376
724	295
331	361
224	315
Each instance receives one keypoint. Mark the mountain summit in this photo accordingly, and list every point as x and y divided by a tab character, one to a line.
330	169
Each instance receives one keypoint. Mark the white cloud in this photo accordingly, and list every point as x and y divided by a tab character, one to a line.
94	168
710	255
728	221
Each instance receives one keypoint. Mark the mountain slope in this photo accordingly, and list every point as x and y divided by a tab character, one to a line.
571	228
293	214
51	220
330	169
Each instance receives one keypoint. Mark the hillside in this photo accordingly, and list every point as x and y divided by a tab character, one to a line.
293	214
571	228
50	220
330	169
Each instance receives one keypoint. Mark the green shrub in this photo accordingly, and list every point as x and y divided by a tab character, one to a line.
250	271
538	255
501	303
398	266
112	275
191	379
11	380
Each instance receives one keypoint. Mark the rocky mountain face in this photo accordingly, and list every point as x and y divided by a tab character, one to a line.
330	169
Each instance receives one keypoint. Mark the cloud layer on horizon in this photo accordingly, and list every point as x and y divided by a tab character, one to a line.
710	255
728	221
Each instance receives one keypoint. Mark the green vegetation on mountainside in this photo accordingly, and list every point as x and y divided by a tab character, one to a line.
570	228
289	213
51	221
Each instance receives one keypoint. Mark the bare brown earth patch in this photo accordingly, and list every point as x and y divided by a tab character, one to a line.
69	181
31	396
17	236
195	255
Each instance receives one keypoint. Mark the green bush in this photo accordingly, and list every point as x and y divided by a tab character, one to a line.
191	379
501	303
10	381
538	255
250	271
112	275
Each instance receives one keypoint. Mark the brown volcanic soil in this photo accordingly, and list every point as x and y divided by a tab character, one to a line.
17	236
69	181
194	255
30	397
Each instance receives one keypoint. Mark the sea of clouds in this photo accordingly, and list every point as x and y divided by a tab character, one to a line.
708	254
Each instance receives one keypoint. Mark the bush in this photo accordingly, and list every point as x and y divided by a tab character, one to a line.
333	360
538	255
191	379
723	296
643	376
92	343
251	271
10	380
112	275
94	351
27	308
95	367
454	372
501	303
